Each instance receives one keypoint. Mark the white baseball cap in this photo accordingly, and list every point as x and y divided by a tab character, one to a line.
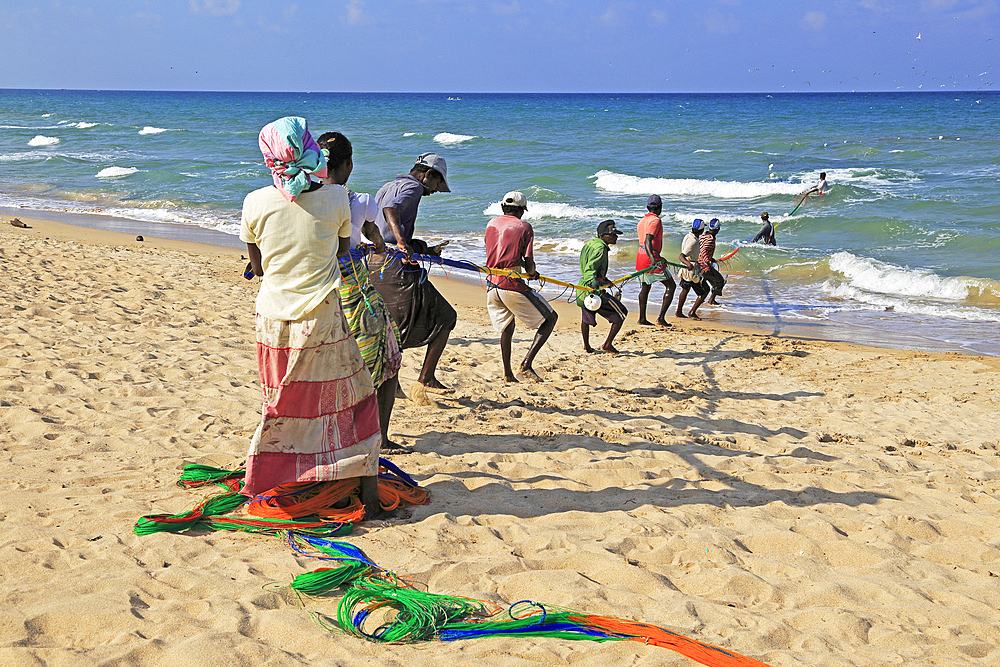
515	198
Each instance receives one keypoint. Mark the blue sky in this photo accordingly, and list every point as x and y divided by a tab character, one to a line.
456	46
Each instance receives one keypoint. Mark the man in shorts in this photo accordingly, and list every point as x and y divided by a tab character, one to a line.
509	242
594	267
706	261
690	277
650	243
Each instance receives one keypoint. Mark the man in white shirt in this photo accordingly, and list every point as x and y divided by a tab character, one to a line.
821	187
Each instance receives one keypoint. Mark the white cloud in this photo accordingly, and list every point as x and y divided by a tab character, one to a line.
355	12
215	7
148	17
721	23
815	20
609	17
506	8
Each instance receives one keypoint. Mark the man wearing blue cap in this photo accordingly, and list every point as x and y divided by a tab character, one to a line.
690	277
650	243
706	261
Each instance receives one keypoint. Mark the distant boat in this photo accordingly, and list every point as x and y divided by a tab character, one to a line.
455	99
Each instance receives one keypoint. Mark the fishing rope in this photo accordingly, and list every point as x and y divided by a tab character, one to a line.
380	606
315	508
797	204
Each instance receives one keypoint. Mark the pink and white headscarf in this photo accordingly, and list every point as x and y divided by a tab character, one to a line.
291	154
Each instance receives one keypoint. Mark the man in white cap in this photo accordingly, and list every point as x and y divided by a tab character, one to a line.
509	245
422	314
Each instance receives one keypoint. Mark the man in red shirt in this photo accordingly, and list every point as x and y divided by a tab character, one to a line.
509	243
650	244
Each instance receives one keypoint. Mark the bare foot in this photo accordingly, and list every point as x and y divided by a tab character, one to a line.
432	384
681	315
390	447
713	302
610	349
645	322
588	349
662	323
694	317
530	374
509	378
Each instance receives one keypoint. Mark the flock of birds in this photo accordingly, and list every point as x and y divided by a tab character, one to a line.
955	79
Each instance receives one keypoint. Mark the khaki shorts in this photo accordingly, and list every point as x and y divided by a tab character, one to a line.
506	306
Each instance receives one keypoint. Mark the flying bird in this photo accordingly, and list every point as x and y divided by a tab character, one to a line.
918	37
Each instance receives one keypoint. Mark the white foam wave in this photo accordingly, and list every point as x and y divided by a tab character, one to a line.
704	150
115	172
870	177
409	134
449	139
573	246
539	210
152	130
84	125
875	277
903	305
609	181
42	140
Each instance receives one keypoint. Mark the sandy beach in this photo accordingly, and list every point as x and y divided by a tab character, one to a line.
801	502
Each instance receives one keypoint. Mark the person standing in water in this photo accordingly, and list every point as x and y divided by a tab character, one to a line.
650	243
820	188
766	233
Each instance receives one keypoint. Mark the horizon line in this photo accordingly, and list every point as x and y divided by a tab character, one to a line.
469	92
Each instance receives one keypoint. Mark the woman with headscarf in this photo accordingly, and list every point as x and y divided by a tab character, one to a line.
370	321
320	417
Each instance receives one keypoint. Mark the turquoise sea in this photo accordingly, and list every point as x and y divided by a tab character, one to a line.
904	250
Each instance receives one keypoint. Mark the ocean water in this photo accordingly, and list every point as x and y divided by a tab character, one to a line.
903	251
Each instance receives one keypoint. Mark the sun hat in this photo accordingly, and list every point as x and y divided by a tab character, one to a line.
714	225
437	163
654	200
697	224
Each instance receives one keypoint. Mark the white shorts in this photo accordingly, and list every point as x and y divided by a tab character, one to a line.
506	306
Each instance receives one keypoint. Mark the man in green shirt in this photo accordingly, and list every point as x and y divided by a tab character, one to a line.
594	267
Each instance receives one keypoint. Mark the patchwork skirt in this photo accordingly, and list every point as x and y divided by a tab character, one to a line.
320	416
